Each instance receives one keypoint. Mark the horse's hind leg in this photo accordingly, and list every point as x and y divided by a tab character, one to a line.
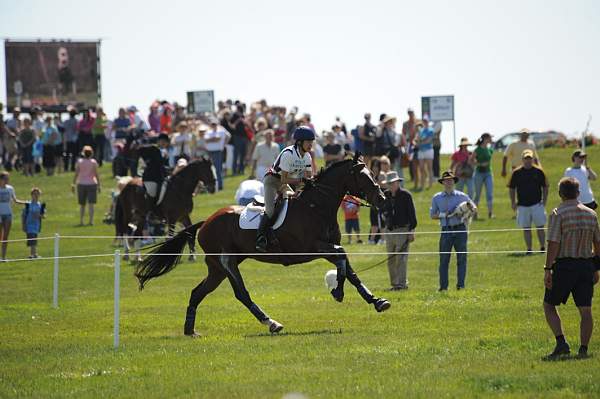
230	264
380	304
215	276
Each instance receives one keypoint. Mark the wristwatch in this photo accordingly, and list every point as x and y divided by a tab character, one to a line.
547	268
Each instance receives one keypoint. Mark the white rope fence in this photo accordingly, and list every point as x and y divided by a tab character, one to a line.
384	233
117	260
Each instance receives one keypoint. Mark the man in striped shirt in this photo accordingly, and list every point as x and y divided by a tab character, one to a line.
570	268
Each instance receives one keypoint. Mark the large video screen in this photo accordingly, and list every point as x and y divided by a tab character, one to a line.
52	74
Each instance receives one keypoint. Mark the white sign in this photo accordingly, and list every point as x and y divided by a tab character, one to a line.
201	101
438	108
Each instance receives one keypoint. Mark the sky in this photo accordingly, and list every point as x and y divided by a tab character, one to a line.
509	64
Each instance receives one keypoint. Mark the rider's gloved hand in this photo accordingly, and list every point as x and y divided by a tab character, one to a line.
308	182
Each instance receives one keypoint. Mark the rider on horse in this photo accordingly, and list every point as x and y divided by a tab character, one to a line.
156	161
291	167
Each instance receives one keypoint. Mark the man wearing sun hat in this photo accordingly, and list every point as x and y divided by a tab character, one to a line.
454	234
528	183
514	150
400	221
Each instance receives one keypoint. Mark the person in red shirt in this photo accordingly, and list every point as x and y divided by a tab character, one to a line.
166	119
351	207
463	166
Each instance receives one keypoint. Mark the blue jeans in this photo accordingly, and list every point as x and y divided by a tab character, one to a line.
459	242
217	159
240	145
484	178
462	182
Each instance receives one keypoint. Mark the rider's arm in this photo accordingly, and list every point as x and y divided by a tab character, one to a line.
285	179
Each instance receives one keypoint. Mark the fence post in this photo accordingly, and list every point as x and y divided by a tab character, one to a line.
55	281
117	297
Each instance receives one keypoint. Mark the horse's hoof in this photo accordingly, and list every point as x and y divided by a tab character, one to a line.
275	327
337	295
192	258
382	304
126	257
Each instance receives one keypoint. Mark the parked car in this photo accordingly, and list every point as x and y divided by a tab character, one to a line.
541	139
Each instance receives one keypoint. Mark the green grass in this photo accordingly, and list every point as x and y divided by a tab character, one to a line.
484	341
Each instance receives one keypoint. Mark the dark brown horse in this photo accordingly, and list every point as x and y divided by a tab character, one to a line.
310	231
176	206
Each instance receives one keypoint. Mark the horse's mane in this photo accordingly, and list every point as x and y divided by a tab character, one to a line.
325	171
189	168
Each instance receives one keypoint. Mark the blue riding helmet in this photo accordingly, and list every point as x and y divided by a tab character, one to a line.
303	133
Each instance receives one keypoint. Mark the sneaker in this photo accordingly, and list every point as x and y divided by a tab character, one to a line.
560	351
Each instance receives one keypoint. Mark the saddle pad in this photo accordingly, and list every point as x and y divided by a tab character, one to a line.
250	217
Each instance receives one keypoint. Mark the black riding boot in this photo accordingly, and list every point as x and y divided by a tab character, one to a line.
262	236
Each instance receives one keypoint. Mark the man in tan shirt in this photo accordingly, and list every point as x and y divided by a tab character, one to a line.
570	267
514	150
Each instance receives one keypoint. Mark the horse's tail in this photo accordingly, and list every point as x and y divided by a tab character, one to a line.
165	256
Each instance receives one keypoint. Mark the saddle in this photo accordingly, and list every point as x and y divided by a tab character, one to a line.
251	214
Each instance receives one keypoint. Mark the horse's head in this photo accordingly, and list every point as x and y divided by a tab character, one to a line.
208	174
361	183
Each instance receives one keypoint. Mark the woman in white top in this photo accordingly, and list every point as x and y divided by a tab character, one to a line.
7	197
583	174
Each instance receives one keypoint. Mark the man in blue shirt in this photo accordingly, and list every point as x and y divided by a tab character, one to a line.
454	234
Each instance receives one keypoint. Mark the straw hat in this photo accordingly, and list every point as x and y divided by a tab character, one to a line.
391	177
388	118
464	142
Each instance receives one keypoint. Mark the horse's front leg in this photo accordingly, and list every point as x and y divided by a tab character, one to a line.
380	304
337	256
345	271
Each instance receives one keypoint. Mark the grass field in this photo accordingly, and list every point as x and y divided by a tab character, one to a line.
484	341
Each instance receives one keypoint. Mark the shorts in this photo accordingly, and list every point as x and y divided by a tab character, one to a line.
27	154
31	239
572	276
5	218
86	193
368	149
426	154
352	225
526	215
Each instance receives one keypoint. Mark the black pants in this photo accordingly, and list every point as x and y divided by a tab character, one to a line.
436	161
83	140
70	155
99	143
